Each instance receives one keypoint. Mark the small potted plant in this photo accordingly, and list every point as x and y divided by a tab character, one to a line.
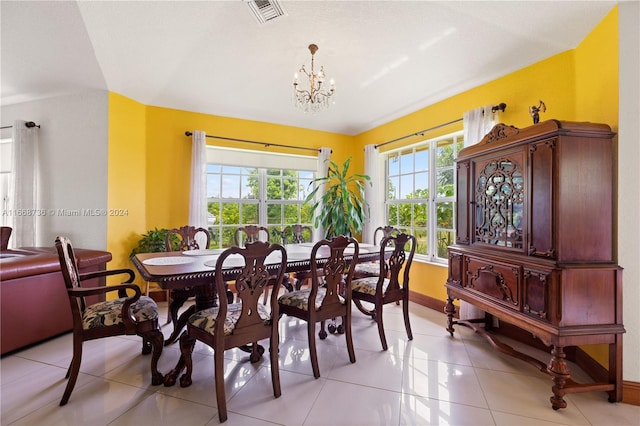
154	241
342	209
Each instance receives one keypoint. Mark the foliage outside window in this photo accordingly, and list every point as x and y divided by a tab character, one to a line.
421	193
238	196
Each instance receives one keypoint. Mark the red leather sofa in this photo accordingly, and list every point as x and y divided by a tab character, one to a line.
34	305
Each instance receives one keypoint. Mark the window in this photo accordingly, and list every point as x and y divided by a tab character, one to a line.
257	192
5	175
421	193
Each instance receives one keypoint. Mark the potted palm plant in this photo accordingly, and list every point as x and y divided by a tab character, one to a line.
154	241
342	209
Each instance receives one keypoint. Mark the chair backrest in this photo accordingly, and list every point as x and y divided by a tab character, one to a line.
336	271
250	234
299	233
251	281
5	234
385	231
70	274
187	238
404	247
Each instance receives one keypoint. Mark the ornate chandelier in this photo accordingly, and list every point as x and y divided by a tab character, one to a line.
313	99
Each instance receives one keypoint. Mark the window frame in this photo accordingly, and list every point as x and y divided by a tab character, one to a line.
433	200
262	162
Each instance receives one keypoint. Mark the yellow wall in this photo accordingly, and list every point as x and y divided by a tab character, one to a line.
127	182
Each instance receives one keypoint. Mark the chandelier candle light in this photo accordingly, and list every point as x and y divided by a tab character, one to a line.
315	98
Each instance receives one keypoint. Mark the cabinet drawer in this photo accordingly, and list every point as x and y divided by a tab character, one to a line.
499	281
536	289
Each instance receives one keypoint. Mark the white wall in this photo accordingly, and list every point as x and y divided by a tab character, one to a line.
73	164
629	182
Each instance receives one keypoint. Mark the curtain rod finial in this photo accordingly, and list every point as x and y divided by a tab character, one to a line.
188	133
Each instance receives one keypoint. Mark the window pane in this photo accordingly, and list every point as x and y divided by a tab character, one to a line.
232	169
274	188
405	215
406	186
392	215
291	213
249	214
250	187
422	186
227	237
214	168
230	214
213	186
421	241
394	188
305	214
444	153
231	186
406	161
422	159
274	214
290	185
445	183
445	215
304	188
445	239
393	164
420	215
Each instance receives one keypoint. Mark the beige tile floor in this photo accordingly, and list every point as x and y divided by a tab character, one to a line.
434	379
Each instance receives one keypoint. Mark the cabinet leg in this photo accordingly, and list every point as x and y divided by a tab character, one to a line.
559	371
450	310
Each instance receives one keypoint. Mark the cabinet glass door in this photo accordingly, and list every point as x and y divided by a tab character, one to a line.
499	203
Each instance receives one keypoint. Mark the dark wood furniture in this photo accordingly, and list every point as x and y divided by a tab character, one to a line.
187	237
250	234
123	316
372	269
328	296
391	285
535	243
238	324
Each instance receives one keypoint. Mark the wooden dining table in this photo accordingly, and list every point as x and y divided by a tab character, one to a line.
196	269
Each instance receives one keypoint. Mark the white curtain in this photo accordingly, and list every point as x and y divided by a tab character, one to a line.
374	193
322	168
477	123
198	192
23	184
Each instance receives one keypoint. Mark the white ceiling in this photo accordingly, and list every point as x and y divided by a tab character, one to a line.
388	58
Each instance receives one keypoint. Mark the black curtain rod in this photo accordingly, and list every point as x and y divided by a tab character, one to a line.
28	124
501	106
265	144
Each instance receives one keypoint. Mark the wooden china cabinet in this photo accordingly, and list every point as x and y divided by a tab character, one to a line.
535	243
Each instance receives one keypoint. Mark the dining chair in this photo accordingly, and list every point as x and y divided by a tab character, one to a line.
187	239
125	315
390	286
372	269
237	324
250	234
299	234
326	298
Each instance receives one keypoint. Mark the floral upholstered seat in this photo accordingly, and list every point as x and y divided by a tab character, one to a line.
300	298
104	314
206	319
368	285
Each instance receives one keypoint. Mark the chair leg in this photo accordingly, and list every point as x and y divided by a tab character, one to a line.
74	369
378	318
155	339
405	312
346	323
218	366
275	367
311	333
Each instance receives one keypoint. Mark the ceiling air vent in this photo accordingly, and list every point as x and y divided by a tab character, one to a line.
265	10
